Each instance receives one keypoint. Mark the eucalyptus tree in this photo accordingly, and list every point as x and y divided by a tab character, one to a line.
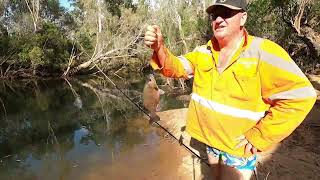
33	9
110	37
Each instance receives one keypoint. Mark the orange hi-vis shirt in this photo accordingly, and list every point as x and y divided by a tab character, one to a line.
261	94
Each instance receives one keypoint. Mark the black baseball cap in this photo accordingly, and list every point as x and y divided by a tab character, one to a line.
231	4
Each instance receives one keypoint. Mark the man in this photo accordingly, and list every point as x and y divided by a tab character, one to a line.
248	94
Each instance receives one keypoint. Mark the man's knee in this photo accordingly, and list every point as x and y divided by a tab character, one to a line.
246	174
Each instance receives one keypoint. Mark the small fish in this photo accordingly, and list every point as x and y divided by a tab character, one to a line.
151	98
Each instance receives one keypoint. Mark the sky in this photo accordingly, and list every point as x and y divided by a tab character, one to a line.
66	4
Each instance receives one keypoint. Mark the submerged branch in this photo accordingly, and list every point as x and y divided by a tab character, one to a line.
4	109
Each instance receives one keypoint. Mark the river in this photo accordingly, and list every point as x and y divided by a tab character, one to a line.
78	129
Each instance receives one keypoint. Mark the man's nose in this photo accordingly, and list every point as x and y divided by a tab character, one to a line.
219	19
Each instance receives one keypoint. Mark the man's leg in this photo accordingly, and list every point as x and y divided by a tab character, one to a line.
214	164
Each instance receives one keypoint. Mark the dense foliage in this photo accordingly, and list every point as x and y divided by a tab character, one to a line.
43	38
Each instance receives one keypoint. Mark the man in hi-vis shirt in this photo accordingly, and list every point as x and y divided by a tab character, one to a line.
247	94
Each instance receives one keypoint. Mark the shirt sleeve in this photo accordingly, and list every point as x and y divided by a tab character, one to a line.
289	93
175	66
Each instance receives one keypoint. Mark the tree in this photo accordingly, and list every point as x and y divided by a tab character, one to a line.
113	37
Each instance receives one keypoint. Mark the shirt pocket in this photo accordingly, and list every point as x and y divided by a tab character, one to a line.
244	86
203	76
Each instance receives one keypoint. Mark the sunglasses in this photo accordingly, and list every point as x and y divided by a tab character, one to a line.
224	13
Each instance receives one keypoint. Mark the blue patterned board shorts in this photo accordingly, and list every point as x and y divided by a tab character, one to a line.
240	163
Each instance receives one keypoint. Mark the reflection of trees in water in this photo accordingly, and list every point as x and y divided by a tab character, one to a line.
15	170
31	105
121	132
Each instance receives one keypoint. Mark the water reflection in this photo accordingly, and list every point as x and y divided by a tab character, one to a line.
56	129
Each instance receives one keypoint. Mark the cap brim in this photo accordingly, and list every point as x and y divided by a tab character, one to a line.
211	8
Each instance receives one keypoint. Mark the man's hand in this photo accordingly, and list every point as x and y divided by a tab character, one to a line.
248	146
153	38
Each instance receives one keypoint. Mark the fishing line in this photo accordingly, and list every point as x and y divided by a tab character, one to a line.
146	113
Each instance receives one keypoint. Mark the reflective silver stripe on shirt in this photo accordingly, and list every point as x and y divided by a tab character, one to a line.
227	110
257	52
281	63
256	42
186	66
203	49
304	92
253	51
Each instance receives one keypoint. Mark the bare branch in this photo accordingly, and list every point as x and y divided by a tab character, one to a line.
4	110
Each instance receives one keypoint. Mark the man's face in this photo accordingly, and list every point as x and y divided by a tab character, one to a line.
226	22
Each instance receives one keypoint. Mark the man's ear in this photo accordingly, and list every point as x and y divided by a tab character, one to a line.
243	18
211	23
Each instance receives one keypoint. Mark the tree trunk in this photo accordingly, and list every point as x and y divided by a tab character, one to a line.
99	16
305	33
312	40
34	9
179	23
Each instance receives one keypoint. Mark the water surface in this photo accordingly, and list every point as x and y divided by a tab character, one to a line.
76	129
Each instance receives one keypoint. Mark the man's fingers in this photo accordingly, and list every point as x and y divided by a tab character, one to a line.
150	38
240	138
151	28
150	33
254	150
149	43
248	148
153	37
157	30
242	143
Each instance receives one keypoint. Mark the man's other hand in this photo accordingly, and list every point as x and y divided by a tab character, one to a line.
249	148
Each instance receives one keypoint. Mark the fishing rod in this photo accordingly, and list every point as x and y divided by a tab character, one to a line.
146	113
